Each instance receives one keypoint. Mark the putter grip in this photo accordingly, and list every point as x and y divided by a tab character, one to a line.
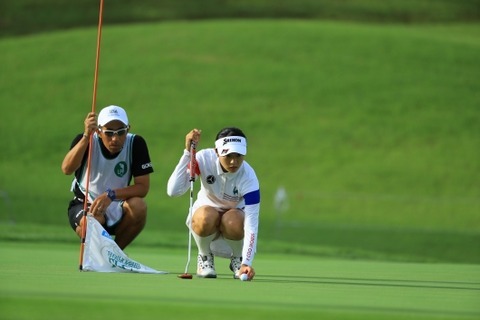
193	162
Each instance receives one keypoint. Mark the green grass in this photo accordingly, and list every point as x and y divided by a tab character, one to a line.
365	111
372	129
45	278
30	16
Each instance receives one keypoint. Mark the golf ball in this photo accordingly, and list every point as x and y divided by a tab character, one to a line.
243	277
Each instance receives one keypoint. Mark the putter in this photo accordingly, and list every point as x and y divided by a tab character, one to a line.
187	275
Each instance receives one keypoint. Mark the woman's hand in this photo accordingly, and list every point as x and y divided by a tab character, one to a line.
194	136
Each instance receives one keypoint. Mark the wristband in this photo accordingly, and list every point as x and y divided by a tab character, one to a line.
111	194
85	135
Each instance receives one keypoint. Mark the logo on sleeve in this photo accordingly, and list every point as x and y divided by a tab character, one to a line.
147	165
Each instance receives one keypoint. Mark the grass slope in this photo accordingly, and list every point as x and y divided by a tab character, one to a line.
372	129
44	278
30	16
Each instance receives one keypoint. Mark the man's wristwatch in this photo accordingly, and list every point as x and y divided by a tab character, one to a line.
111	194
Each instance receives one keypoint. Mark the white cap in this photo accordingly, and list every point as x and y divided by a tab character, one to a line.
231	144
112	113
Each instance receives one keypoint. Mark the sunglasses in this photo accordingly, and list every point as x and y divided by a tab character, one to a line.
110	133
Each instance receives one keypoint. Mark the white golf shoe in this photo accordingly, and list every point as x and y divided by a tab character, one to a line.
206	266
235	264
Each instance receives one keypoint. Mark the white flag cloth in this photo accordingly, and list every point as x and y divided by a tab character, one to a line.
102	254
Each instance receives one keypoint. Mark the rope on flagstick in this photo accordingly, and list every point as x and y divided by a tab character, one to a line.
94	100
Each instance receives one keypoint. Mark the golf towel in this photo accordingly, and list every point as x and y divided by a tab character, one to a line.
102	254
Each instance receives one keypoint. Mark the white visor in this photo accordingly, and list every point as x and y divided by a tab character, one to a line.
232	144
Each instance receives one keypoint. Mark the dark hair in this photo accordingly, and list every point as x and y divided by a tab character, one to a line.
230	131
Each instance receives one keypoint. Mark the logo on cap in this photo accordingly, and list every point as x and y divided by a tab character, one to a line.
227	140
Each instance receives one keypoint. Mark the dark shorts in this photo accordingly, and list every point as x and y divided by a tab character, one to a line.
75	214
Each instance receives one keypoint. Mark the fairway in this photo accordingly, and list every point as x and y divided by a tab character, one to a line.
41	281
395	175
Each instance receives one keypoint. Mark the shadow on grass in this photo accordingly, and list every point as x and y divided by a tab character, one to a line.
450	285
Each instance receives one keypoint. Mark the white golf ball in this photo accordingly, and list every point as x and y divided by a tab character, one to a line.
243	277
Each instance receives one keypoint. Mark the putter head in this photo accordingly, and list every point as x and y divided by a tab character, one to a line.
185	276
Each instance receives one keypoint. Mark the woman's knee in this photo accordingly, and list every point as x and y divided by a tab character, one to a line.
205	221
231	224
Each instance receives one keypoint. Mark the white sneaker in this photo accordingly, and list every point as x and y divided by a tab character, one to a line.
235	264
206	266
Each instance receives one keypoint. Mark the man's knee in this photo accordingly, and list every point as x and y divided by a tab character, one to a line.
135	209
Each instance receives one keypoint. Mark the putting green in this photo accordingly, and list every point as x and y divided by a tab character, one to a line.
41	280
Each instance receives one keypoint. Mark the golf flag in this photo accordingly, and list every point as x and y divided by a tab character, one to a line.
102	254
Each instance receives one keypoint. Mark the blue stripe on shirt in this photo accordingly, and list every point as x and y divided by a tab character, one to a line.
252	197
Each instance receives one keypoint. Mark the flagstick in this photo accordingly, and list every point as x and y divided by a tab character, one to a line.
94	98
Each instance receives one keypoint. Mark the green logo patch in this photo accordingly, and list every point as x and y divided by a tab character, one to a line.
121	168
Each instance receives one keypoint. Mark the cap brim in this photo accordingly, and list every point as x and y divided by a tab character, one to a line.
235	149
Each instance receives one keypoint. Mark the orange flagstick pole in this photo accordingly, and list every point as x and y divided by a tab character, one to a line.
94	101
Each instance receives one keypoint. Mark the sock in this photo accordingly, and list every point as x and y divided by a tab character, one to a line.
236	245
203	243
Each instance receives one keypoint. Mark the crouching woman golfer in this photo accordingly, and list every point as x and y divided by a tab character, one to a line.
117	157
225	213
